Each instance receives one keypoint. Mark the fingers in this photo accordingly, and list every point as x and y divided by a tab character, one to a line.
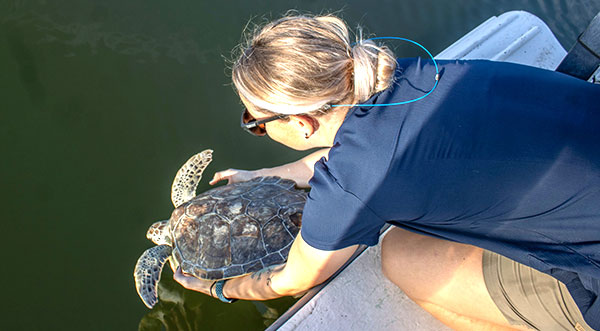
192	283
233	176
180	277
221	175
185	281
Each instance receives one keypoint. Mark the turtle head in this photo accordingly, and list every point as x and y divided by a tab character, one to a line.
158	233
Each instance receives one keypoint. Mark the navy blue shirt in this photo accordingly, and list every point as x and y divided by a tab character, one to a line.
501	156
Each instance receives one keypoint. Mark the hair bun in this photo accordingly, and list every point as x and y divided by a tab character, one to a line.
373	69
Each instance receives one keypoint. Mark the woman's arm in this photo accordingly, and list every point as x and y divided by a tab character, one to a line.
300	171
306	267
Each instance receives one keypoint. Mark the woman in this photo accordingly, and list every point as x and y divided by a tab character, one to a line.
498	158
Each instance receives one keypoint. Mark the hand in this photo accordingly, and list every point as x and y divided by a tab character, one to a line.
234	176
193	283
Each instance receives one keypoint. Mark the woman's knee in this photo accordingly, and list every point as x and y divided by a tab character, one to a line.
399	260
421	265
389	245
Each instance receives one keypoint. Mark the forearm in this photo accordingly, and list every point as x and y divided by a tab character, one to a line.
257	286
300	171
306	267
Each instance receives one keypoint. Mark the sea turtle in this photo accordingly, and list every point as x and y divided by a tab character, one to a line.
226	232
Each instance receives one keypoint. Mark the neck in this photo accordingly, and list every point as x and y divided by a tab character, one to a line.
329	125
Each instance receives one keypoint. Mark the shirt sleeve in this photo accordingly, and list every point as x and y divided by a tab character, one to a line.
335	218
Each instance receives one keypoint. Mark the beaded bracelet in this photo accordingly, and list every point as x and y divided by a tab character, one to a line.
219	292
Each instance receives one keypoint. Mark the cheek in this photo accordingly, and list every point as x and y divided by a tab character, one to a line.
278	132
284	135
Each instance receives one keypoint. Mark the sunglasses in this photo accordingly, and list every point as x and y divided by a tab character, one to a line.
254	127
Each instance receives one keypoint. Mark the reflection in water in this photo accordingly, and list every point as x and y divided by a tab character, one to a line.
181	309
171	313
268	313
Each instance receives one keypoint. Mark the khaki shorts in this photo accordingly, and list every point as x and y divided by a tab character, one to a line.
528	297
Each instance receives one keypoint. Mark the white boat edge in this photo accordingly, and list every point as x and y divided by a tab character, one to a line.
359	297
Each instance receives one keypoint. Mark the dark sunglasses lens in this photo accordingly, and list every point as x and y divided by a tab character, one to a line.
246	117
258	130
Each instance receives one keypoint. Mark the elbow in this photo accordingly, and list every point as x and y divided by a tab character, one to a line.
293	291
298	287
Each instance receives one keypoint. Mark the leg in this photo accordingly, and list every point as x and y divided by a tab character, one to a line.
443	277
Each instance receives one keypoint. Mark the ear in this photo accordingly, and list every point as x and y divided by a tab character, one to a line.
305	124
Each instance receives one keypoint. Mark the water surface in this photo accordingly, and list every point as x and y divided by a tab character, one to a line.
102	101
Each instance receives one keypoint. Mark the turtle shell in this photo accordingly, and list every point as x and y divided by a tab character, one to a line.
237	229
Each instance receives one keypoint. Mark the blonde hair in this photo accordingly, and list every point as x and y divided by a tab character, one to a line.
299	64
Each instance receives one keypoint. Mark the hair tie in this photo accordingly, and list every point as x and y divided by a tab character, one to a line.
437	78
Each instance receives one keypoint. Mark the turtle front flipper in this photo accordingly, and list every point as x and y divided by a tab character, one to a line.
187	178
147	272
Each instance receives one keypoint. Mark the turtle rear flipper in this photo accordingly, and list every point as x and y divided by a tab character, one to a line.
147	272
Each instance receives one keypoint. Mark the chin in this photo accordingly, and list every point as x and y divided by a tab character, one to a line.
298	147
297	144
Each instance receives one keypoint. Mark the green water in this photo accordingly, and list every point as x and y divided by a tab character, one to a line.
102	101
